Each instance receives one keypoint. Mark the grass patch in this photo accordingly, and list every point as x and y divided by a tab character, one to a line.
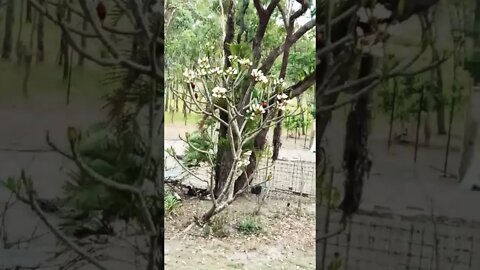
171	203
250	225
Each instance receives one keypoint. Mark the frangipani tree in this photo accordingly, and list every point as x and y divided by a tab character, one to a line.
213	90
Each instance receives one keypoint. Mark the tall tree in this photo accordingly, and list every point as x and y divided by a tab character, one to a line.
40	35
8	34
264	16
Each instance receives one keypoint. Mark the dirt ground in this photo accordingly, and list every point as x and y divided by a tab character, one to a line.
286	240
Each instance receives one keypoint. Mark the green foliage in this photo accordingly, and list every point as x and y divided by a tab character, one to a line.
408	95
250	225
242	50
199	140
295	122
171	203
100	150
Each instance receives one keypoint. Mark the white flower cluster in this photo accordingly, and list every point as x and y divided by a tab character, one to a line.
245	160
258	76
219	92
189	75
203	63
282	101
371	43
231	71
378	12
216	70
279	83
241	61
254	110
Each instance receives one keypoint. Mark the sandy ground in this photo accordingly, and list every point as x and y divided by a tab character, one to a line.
400	185
285	242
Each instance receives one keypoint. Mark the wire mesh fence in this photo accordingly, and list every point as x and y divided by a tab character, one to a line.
385	242
288	177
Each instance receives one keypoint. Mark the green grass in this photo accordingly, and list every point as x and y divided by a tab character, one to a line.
250	225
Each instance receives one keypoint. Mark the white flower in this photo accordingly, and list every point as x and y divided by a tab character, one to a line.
247	153
242	163
258	76
362	15
219	92
254	110
245	159
279	82
202	72
203	63
380	12
282	96
282	101
231	71
215	70
245	62
189	75
360	32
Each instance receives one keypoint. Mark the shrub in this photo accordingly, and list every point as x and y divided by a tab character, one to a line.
250	225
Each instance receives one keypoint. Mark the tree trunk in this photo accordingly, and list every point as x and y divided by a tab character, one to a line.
29	12
224	154
83	43
469	171
66	58
40	35
277	138
427	131
441	129
355	155
20	46
258	145
440	106
7	38
338	31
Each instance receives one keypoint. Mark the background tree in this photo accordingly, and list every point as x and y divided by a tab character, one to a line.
348	43
7	44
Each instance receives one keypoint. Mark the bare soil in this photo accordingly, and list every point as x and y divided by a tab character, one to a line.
286	240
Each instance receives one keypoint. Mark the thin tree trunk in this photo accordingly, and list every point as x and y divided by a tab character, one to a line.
277	138
20	46
277	132
66	58
224	154
7	38
29	12
167	96
83	42
40	36
28	61
176	100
